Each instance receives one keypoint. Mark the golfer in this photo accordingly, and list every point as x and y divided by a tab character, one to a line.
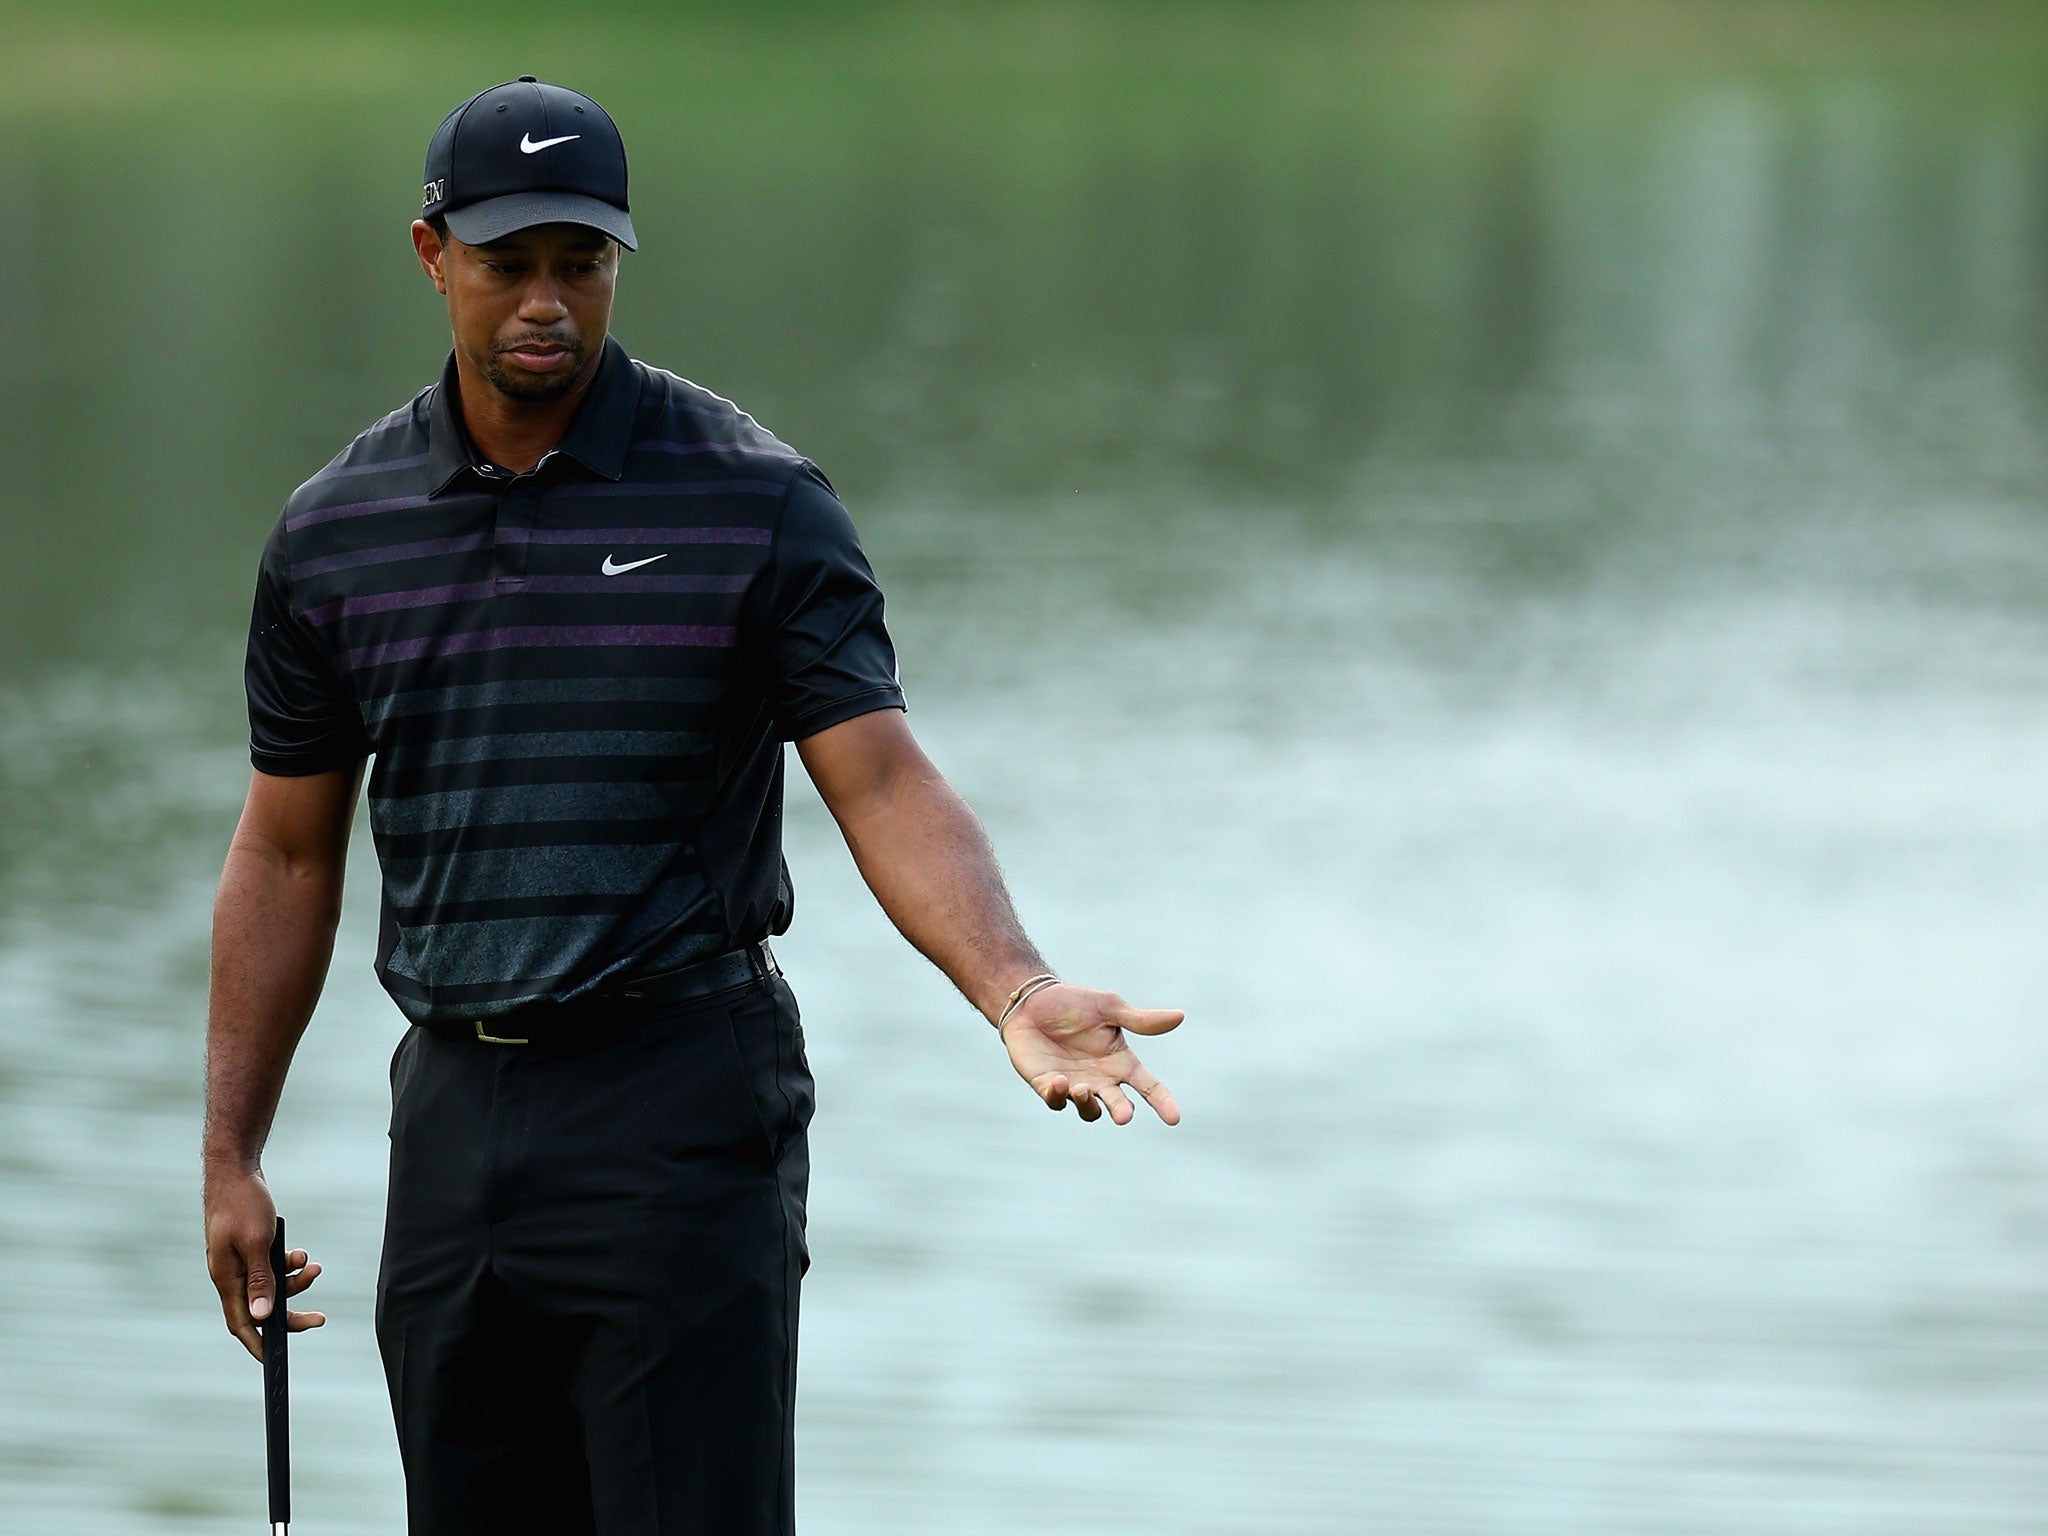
569	607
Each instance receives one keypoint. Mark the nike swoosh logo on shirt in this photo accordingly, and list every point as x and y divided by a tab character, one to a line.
611	569
527	146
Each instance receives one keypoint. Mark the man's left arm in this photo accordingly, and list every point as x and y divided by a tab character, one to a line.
924	854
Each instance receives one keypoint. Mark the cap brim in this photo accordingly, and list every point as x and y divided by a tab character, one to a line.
496	217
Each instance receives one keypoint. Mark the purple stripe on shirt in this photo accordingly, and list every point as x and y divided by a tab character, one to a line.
420	549
664	488
515	637
354	509
472	591
386	554
413	461
648	537
688	448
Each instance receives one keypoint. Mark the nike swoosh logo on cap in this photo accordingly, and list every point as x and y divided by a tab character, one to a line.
631	565
528	146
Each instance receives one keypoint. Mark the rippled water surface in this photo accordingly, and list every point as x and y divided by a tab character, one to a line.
1516	596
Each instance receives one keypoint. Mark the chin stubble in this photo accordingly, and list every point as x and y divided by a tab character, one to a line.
524	386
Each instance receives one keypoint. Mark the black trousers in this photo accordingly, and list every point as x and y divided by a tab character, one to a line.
588	1299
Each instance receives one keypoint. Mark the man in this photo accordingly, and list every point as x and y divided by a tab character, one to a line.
572	606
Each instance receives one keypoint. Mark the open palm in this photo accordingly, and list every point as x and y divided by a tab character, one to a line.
1068	1043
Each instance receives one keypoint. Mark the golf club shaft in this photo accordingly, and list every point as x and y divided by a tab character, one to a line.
277	1439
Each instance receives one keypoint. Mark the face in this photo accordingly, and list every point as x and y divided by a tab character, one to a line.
529	311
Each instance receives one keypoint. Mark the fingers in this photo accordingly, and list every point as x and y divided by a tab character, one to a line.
1115	1105
1091	1100
1094	1100
234	1278
247	1299
251	1335
1154	1093
1058	1091
304	1271
1086	1103
234	1307
1146	1021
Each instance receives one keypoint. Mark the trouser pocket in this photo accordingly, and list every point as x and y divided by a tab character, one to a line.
767	1041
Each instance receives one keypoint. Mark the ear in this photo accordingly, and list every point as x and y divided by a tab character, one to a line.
432	254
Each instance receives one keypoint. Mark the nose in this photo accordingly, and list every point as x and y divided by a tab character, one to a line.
541	302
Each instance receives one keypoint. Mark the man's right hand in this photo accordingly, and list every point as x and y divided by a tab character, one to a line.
273	932
241	1220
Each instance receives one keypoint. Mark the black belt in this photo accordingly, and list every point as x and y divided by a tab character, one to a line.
618	1005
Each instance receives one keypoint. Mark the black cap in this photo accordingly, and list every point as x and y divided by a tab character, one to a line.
524	153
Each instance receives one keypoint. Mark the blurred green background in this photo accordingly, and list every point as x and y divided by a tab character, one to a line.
1492	551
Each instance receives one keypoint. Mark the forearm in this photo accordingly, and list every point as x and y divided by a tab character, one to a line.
924	854
273	935
929	863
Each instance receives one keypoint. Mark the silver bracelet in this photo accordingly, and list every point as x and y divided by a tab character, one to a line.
1025	990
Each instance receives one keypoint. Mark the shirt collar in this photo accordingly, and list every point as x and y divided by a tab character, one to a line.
597	439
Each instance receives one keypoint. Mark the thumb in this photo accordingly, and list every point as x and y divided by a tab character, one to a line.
262	1286
1148	1021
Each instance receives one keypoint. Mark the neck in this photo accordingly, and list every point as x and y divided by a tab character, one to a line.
516	434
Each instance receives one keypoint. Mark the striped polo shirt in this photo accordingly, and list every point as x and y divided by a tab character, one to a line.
574	684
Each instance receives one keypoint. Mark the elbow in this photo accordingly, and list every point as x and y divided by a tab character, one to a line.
306	880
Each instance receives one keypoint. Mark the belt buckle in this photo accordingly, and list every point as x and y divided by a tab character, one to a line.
490	1039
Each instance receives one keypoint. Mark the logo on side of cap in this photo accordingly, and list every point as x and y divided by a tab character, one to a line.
433	192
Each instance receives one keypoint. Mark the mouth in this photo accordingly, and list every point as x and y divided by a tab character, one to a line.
538	356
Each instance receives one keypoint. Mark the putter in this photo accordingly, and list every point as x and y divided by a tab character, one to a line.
277	1437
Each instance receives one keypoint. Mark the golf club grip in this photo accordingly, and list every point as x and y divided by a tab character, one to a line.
277	1436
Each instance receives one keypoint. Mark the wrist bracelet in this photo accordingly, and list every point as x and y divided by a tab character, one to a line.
1025	989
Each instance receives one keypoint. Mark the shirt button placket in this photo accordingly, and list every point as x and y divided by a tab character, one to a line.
517	498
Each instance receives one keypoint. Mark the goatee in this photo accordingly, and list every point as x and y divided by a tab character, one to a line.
521	385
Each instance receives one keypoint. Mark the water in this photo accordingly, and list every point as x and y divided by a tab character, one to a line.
1516	596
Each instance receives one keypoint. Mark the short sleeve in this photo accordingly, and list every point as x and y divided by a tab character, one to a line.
303	717
816	612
